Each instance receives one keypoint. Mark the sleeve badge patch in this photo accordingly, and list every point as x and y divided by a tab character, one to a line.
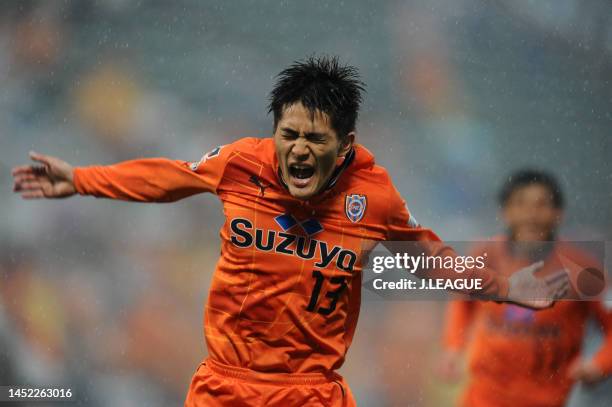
211	154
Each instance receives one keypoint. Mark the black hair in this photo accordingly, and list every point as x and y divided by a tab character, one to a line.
320	83
526	177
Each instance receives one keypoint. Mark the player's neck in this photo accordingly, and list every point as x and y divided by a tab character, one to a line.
532	250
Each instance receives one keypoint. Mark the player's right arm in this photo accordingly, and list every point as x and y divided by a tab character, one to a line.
52	178
144	180
458	321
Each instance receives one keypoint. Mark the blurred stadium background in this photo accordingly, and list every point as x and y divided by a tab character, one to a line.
107	297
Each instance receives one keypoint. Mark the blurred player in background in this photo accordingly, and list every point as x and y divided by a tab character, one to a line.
519	357
285	297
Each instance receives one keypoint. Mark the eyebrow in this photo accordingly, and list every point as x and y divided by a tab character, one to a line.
309	134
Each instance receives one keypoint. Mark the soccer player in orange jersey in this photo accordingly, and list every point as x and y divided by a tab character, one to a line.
285	297
518	356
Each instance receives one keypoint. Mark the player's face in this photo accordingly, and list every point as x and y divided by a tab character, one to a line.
307	148
530	213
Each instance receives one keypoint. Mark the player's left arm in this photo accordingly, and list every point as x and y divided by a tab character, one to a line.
600	365
522	288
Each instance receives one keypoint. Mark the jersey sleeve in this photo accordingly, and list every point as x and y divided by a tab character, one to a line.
402	226
154	179
457	322
603	357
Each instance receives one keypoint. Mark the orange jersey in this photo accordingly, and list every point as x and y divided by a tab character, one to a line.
285	295
520	356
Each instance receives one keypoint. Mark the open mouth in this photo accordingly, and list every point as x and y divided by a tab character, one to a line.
301	174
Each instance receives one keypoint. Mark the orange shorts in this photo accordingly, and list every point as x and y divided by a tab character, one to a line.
218	385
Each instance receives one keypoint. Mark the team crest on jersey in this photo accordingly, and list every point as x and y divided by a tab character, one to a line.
211	154
355	207
514	313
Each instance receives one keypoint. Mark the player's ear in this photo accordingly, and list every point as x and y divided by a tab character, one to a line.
346	144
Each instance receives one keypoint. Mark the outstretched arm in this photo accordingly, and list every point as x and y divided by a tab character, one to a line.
51	178
522	288
144	180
